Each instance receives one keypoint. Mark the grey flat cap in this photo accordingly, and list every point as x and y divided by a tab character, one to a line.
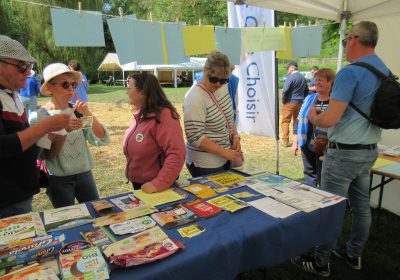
13	49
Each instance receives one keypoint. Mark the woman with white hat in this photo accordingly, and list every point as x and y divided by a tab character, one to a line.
69	160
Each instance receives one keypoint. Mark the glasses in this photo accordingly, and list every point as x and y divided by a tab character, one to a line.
344	41
21	68
215	80
66	85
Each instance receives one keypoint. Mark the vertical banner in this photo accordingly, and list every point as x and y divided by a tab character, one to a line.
256	92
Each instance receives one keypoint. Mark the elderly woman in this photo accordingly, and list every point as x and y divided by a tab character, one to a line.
69	160
153	143
312	140
212	139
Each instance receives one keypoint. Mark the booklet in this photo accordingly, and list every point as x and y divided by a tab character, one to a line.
174	216
202	191
123	216
66	217
202	208
99	237
191	231
20	227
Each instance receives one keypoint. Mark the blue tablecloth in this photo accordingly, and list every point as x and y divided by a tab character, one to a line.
236	242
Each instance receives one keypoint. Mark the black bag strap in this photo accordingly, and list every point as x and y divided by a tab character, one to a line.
377	73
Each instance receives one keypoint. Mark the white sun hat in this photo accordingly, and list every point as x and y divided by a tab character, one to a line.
54	70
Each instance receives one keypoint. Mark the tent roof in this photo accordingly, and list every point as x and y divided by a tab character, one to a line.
332	9
111	63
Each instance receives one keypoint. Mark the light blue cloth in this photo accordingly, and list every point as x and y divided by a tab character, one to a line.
315	40
137	40
174	43
229	42
299	38
359	85
81	90
74	29
302	125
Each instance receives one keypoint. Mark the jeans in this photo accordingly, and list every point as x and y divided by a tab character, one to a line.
29	103
346	172
62	190
312	167
198	171
17	208
289	111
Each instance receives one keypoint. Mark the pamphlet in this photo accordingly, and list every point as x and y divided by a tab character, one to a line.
135	243
191	231
202	208
66	217
123	216
159	198
127	202
227	178
20	227
32	272
174	216
201	191
228	202
133	226
103	207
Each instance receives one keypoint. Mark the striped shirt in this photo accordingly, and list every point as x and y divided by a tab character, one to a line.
203	118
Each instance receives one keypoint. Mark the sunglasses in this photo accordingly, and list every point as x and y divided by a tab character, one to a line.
344	41
66	85
215	80
21	68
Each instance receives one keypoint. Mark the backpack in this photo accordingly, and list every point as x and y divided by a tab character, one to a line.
385	111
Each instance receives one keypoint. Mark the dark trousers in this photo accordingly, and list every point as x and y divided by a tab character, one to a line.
312	167
198	171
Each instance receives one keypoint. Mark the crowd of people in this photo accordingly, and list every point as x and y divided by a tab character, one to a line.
338	146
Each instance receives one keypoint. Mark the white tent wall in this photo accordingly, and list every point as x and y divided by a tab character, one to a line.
386	14
387	49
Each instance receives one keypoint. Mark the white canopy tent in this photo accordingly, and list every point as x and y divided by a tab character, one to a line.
111	64
386	14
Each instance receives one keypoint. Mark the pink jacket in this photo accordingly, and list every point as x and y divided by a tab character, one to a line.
155	152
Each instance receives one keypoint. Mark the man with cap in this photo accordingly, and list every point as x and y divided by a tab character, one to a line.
18	151
293	93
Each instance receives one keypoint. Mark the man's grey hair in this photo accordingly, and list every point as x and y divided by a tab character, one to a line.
367	33
217	62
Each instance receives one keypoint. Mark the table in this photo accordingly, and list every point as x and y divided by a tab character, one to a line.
236	242
388	173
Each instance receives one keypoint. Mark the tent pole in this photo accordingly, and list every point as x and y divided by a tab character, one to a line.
276	107
342	32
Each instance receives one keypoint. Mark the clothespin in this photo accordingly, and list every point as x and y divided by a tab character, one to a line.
284	23
295	23
151	17
177	21
309	23
226	26
316	22
121	13
200	23
290	24
80	7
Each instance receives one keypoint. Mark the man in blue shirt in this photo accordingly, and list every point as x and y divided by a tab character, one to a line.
83	87
352	148
311	85
28	95
293	93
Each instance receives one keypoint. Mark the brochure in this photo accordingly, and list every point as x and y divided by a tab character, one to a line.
133	226
159	198
201	191
174	216
202	208
103	207
191	230
228	202
66	217
227	178
20	227
99	237
123	216
32	272
127	202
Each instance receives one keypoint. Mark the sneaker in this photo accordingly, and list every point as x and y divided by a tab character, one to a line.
308	264
354	262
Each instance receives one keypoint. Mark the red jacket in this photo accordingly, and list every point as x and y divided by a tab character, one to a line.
155	152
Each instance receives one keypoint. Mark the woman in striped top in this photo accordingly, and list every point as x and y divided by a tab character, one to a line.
212	138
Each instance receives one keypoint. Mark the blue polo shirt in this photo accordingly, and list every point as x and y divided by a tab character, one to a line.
358	85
